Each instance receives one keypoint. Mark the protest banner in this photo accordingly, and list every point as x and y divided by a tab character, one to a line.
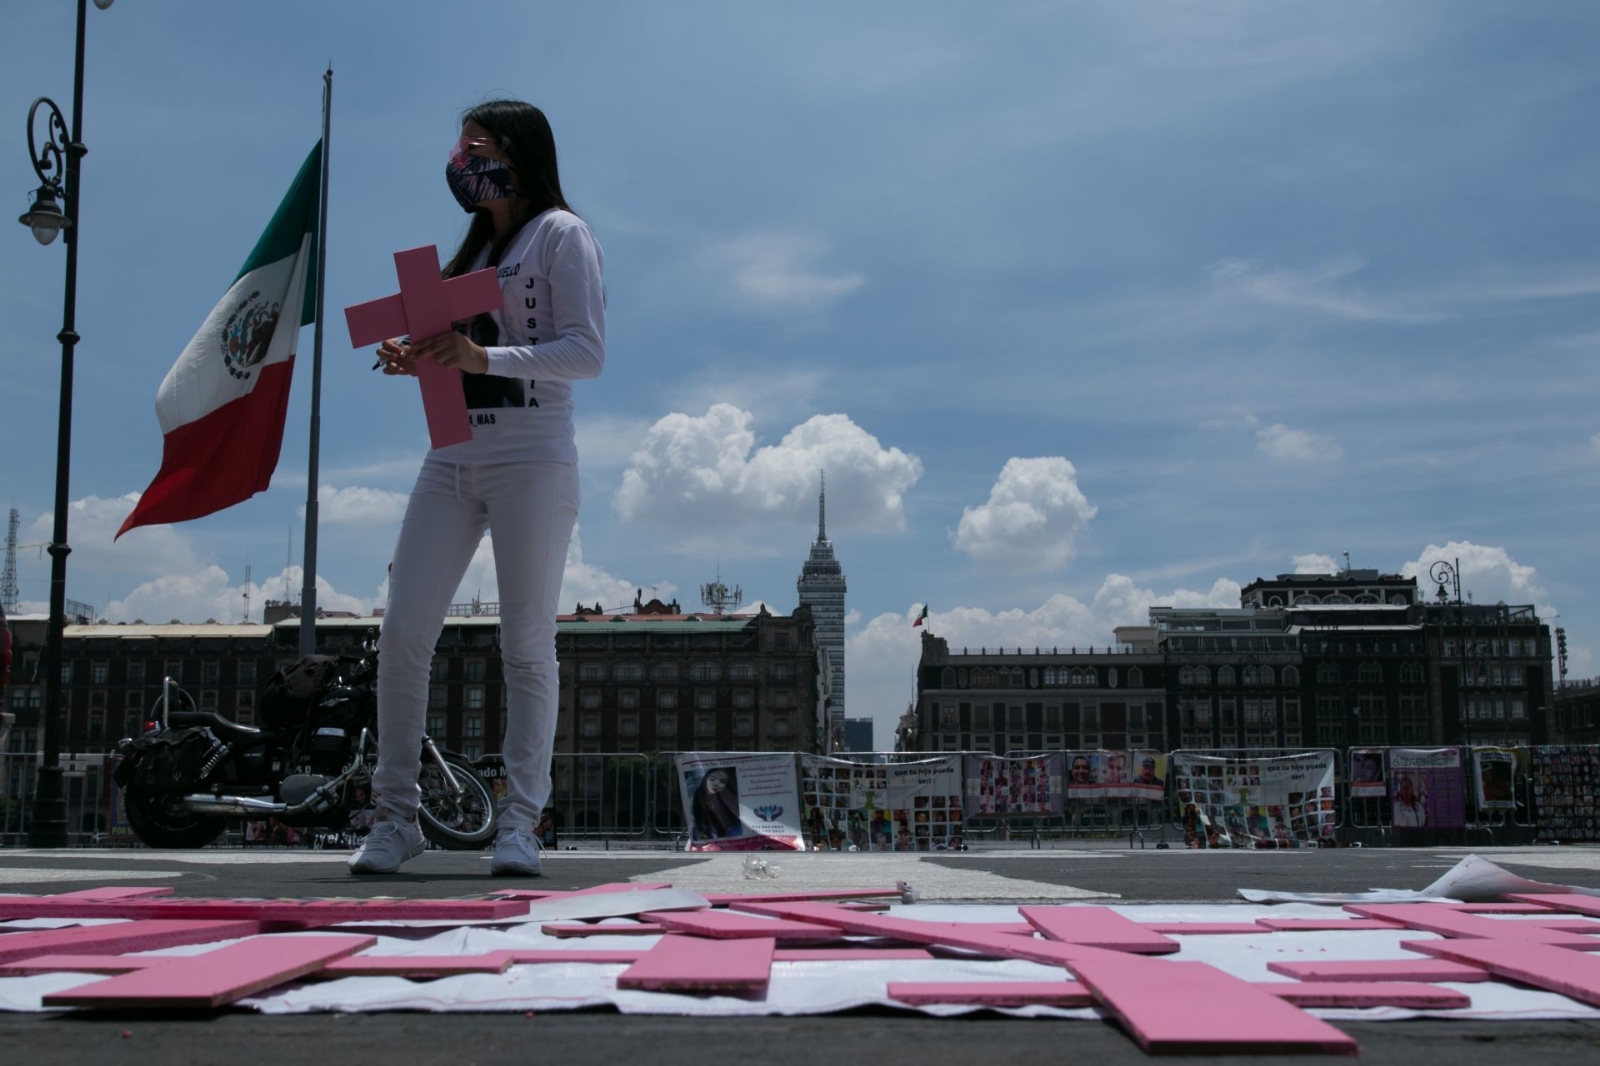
1566	791
1270	802
1425	788
1366	774
911	806
740	801
1493	770
1028	785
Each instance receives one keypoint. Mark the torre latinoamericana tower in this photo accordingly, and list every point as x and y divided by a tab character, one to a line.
822	589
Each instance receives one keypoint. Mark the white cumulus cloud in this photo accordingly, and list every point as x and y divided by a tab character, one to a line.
1286	444
1313	563
695	472
356	505
1488	574
1032	519
778	271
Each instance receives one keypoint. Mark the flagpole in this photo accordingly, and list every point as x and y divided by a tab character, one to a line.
308	593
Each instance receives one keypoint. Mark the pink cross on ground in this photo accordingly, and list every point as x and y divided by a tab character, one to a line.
425	307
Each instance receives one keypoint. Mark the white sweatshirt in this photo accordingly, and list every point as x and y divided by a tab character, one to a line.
549	332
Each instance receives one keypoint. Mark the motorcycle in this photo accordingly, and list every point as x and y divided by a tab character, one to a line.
310	765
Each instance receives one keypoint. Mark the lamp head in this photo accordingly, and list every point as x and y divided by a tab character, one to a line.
44	217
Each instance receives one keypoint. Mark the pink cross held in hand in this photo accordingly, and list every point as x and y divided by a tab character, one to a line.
425	307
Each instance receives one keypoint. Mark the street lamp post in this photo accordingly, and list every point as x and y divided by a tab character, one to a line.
1444	573
55	210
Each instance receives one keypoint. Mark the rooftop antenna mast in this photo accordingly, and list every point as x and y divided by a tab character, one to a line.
10	594
247	591
719	597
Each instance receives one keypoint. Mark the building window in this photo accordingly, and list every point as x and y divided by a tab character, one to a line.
666	725
134	703
780	725
474	697
1225	675
628	698
947	677
780	641
705	671
439	671
589	726
1514	676
1327	673
476	670
589	699
66	673
744	698
665	672
742	672
98	672
136	671
782	671
783	699
1369	673
705	725
743	725
436	698
1135	677
473	752
247	672
592	672
632	673
1518	708
705	699
1411	673
628	725
97	699
208	699
1291	677
436	725
666	698
210	672
473	725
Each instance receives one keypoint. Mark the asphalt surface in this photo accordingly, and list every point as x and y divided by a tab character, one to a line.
876	1037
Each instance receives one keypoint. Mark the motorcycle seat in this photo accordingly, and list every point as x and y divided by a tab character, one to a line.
223	727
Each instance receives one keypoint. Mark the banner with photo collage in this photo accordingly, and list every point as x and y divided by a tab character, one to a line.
910	806
1493	772
1116	775
740	801
1271	802
1566	781
1426	790
1029	785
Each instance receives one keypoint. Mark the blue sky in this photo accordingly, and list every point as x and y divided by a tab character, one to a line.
1084	307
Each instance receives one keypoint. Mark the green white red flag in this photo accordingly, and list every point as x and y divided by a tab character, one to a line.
223	403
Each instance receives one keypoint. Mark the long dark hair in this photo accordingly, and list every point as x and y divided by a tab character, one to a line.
525	138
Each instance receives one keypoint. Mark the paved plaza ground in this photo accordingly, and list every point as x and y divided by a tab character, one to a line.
1101	871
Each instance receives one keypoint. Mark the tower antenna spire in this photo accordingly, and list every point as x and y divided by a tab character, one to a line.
822	511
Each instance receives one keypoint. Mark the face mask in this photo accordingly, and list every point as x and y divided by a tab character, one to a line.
476	179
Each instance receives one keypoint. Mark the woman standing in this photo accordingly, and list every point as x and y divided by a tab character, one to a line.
517	477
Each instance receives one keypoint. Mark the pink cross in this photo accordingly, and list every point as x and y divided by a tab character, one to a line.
426	306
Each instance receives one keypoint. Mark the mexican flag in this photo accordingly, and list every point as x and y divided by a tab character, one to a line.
921	618
222	404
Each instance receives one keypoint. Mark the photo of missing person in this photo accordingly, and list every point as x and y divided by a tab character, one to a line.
1409	811
715	805
487	390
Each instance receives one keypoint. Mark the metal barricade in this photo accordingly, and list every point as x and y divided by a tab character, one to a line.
603	795
86	791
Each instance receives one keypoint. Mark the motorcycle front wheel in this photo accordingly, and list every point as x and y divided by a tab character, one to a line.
458	823
160	820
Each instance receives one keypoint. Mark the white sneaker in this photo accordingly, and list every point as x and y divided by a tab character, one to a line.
516	853
390	843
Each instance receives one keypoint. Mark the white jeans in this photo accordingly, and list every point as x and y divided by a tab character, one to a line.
530	508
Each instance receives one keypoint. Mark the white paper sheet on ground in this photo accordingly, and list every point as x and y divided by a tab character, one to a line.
573	908
1472	880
